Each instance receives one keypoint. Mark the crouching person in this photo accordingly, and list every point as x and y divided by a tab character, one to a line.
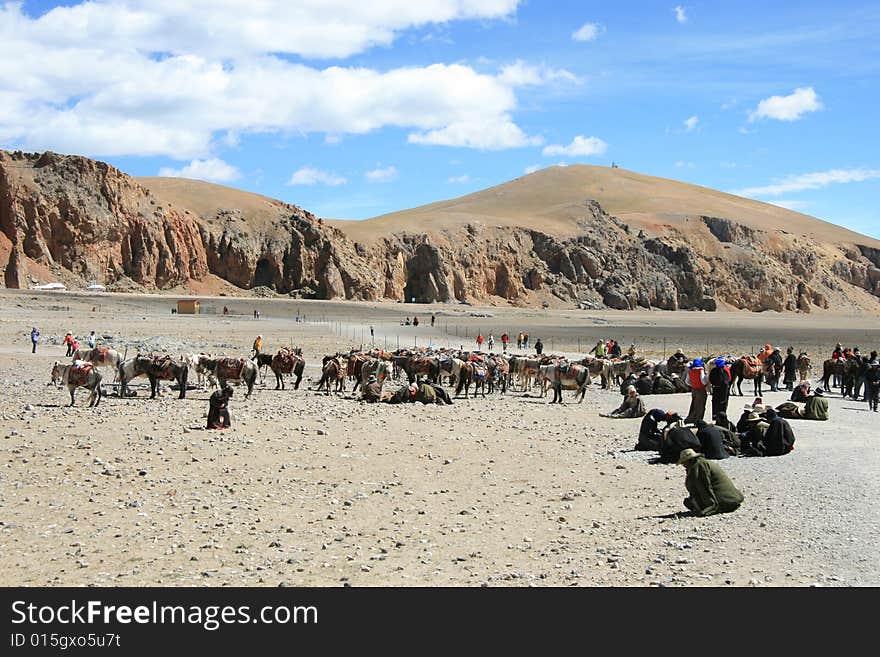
218	408
632	406
710	490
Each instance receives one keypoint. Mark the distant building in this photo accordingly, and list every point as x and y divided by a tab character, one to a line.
189	307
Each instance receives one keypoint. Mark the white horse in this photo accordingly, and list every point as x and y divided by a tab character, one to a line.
79	374
204	377
99	356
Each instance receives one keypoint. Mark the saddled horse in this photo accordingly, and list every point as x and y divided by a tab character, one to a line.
598	367
99	356
499	371
474	372
287	362
165	368
381	369
243	370
747	367
333	369
130	369
263	360
566	376
80	374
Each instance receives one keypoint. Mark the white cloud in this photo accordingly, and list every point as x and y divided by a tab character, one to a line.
326	29
459	179
691	124
579	147
680	14
787	108
533	168
88	79
308	175
382	174
681	164
520	74
588	32
213	170
805	181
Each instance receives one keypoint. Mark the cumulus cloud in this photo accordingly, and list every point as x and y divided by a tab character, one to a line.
691	124
459	179
212	170
382	174
588	32
805	181
579	147
308	175
680	14
151	77
787	108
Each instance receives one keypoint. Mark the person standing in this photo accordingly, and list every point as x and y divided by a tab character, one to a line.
257	347
599	349
789	366
519	340
92	339
505	339
433	319
872	384
615	351
710	490
35	338
525	340
719	378
479	341
697	379
68	342
775	357
372	335
490	342
539	347
416	320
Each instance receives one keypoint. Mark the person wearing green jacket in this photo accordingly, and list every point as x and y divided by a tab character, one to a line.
710	489
816	407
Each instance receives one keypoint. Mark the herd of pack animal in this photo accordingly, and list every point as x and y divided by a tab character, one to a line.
470	373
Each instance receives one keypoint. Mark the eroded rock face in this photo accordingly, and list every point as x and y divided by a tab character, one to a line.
87	221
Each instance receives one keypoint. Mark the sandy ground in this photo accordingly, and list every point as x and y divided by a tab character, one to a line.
308	489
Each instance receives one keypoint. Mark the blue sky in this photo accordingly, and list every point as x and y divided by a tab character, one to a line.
353	109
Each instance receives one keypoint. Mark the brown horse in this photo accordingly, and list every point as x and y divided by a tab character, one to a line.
474	372
747	367
803	366
833	367
165	368
334	369
287	362
499	371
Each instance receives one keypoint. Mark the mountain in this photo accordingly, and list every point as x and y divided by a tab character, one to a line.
563	236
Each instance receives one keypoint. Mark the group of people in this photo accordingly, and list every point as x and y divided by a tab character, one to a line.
860	377
522	342
415	321
611	349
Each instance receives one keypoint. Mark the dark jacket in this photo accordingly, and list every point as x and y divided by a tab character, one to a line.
675	440
539	347
650	435
778	439
663	386
711	490
644	385
718	378
816	408
712	443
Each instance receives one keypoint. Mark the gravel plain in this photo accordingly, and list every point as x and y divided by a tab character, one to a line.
308	489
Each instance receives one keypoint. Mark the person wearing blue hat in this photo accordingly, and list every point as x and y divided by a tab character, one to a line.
697	379
719	379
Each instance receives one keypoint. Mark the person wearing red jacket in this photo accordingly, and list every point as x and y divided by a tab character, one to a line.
697	379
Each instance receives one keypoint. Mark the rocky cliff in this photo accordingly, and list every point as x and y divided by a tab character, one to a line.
83	220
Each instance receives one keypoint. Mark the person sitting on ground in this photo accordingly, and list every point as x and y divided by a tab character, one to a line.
218	408
801	392
721	420
644	384
372	391
663	385
816	407
650	434
441	394
710	490
632	406
778	438
679	383
677	360
711	440
751	431
676	438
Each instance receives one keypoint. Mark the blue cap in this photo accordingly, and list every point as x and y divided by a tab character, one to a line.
698	362
720	362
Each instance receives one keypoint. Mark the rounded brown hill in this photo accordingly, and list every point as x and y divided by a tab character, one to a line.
553	199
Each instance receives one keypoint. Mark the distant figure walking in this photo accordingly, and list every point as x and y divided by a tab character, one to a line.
92	339
415	321
68	342
372	335
519	340
433	319
491	342
505	340
35	337
225	310
539	347
479	341
525	340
